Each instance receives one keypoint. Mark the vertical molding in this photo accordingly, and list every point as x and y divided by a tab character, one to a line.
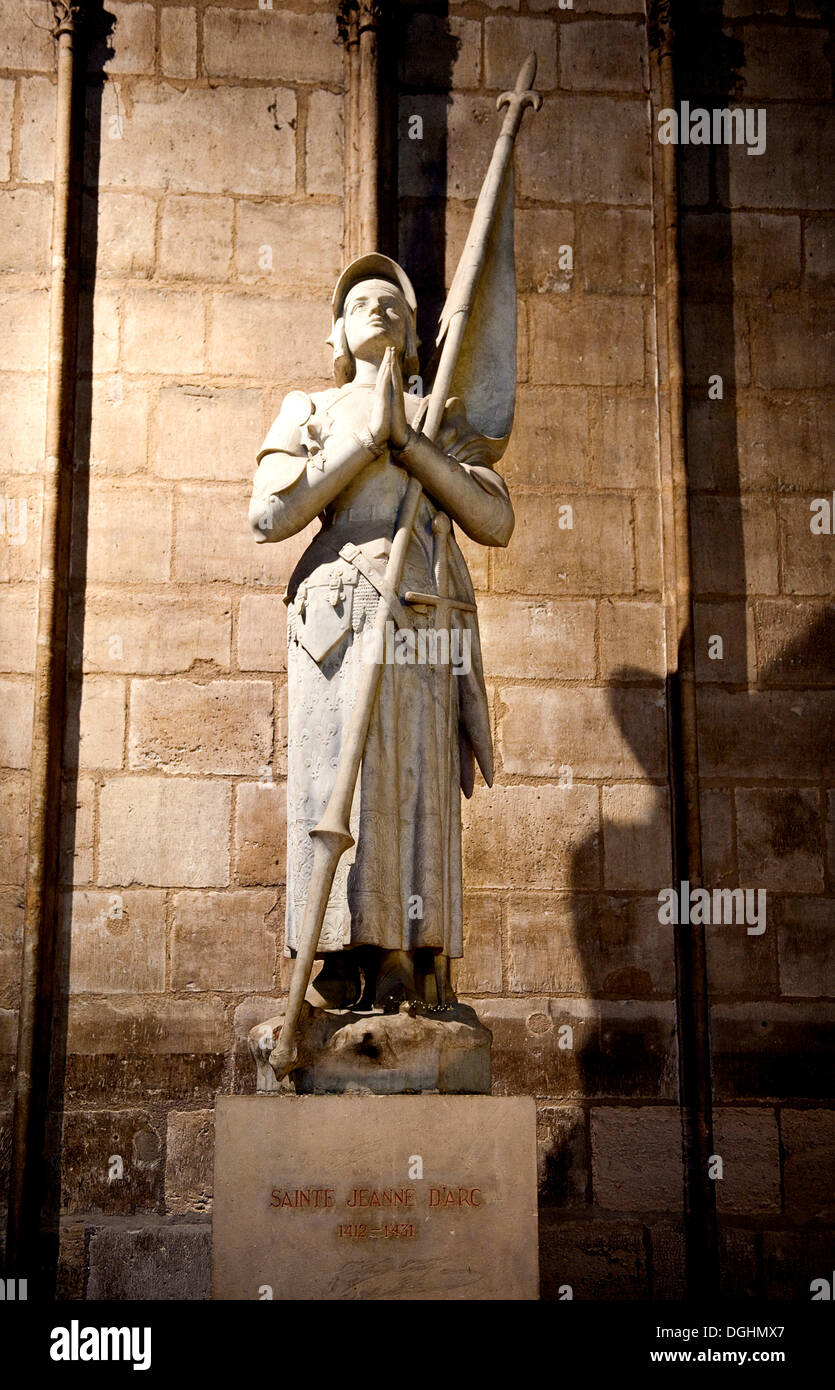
24	1254
370	148
368	128
347	20
692	1010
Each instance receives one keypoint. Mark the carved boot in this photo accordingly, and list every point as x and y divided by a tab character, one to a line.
395	981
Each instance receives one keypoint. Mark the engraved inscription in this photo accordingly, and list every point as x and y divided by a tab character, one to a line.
385	1197
390	1231
432	1200
302	1197
455	1197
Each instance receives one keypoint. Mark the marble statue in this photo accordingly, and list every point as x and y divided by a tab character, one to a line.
346	455
387	709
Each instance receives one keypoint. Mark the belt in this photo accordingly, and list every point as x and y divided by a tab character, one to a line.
377	579
363	514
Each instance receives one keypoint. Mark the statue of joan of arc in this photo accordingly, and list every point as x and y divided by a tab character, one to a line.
346	455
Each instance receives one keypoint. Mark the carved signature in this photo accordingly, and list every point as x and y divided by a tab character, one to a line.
362	1279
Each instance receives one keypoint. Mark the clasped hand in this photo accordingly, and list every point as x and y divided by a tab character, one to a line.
388	424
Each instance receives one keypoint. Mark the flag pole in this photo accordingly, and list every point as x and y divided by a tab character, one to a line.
332	836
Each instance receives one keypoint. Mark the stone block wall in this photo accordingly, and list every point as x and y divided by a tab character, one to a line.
758	312
211	240
212	237
26	55
564	856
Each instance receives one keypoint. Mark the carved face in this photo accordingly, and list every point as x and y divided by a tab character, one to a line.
375	315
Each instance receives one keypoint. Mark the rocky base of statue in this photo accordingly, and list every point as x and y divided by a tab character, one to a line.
414	1050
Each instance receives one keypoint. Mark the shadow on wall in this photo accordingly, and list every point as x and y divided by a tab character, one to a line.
426	54
616	1154
750	728
628	1055
616	1082
770	726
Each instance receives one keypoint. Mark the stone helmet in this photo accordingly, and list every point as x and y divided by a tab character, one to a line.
378	267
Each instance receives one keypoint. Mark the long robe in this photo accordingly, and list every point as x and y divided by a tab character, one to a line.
399	886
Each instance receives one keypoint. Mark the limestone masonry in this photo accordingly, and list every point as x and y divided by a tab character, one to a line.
212	237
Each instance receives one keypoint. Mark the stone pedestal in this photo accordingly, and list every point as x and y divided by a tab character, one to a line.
375	1197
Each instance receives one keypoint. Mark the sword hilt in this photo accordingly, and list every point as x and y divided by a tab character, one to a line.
440	530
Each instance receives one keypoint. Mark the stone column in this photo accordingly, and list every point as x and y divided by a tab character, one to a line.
370	144
28	1176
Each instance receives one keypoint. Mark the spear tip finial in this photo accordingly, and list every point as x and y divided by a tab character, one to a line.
527	73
